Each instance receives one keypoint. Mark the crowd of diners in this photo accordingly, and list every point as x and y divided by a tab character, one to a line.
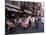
24	23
